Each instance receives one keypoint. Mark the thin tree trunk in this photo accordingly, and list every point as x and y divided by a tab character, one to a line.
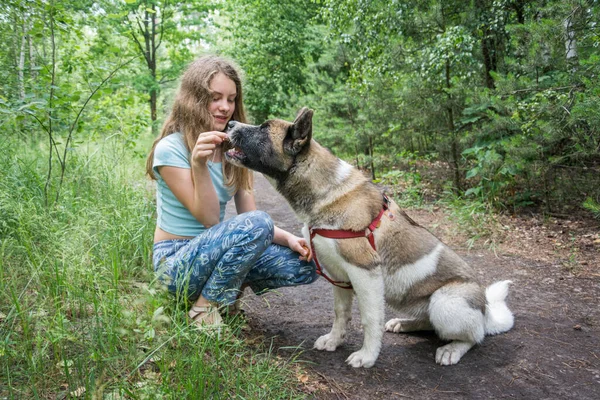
519	7
50	103
488	60
452	129
488	45
571	44
21	65
371	156
32	65
154	90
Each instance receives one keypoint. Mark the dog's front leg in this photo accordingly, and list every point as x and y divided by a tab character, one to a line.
342	300
370	293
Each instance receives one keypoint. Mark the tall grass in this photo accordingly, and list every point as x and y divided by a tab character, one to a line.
80	312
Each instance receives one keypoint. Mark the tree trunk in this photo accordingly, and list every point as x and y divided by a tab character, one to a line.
32	66
154	89
21	64
571	44
147	28
488	44
453	139
372	163
519	7
489	58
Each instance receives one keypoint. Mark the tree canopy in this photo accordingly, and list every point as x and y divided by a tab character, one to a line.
503	93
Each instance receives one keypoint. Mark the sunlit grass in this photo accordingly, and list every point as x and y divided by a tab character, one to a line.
81	315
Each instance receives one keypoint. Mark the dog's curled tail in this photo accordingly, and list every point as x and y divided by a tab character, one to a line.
498	318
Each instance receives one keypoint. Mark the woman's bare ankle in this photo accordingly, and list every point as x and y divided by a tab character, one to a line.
202	302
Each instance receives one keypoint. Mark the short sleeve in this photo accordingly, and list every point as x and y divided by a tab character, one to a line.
170	151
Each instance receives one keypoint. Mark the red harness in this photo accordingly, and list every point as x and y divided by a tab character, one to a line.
346	234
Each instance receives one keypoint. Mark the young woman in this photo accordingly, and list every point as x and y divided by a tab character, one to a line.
197	255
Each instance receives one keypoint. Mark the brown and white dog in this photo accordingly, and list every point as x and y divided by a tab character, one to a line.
429	284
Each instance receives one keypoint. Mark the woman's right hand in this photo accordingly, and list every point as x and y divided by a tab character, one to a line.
205	146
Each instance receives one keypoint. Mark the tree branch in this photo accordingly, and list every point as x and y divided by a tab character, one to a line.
81	109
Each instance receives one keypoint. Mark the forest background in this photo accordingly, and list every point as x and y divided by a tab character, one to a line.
491	104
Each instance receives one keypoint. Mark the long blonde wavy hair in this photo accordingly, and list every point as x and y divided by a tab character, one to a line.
190	114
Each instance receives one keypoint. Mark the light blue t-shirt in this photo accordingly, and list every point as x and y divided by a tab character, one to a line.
172	216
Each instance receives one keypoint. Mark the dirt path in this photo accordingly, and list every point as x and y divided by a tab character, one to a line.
553	352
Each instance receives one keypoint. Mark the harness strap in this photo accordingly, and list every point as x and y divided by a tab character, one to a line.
346	234
341	284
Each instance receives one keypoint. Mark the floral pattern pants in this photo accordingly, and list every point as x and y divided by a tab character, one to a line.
217	262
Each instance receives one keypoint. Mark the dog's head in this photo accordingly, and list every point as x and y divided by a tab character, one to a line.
272	147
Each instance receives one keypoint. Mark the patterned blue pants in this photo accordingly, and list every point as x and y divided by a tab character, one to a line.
217	262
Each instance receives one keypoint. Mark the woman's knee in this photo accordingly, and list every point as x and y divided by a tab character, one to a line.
259	224
307	273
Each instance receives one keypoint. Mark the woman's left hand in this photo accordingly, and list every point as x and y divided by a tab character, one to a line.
299	245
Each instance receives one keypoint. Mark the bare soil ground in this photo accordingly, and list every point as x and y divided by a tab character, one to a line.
553	352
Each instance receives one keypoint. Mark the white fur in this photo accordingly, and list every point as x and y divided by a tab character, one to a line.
370	303
451	353
343	314
272	181
498	318
453	318
371	306
343	171
406	276
449	312
397	325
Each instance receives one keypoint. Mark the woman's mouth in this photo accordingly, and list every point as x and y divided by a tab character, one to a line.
220	118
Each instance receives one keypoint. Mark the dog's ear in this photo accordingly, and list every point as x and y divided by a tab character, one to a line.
300	133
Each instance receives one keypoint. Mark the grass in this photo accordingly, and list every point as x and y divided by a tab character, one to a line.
81	315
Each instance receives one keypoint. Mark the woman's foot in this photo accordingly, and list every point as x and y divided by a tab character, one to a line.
235	310
205	316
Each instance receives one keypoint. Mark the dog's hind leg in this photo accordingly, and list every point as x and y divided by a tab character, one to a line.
370	294
456	313
342	299
398	325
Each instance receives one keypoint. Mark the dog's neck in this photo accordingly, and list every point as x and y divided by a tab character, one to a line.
317	181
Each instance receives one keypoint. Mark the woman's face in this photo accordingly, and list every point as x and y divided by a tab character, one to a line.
222	104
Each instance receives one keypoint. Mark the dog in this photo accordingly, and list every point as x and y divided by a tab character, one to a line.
398	261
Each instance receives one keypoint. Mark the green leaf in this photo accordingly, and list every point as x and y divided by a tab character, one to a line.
475	191
473	172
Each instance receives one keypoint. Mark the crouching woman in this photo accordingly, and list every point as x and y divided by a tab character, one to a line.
197	254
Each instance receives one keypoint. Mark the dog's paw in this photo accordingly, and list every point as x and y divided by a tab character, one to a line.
451	353
394	325
327	342
361	358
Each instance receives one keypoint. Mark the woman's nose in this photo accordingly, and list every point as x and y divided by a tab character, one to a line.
224	105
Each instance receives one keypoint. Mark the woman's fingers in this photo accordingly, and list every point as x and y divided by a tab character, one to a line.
211	137
306	254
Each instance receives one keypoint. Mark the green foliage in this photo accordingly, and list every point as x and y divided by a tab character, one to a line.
475	218
407	187
487	87
272	42
80	311
593	206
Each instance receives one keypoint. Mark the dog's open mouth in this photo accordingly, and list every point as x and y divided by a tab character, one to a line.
235	154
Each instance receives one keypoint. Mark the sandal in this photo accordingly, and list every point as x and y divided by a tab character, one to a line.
235	309
205	316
